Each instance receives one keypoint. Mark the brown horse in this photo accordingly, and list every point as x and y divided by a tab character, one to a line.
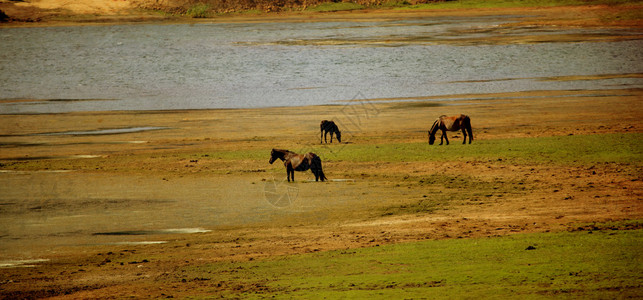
298	162
454	123
329	126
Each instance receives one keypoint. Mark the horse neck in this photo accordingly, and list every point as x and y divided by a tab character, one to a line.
282	154
434	127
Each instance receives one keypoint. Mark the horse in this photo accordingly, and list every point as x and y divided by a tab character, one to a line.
454	123
298	162
326	127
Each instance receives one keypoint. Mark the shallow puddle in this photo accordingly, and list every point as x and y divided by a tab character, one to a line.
25	263
105	131
152	232
138	243
27	158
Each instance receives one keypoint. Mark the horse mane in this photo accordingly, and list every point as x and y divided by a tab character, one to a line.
434	127
282	150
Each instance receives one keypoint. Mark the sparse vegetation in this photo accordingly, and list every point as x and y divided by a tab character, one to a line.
219	6
199	10
582	150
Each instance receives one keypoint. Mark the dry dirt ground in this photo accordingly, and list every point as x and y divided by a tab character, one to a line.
366	211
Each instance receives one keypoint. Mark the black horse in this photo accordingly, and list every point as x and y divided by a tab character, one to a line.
326	127
298	162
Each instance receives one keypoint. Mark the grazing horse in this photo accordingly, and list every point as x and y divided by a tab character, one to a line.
298	162
329	126
454	123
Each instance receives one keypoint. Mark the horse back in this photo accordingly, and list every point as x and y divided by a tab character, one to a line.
465	121
327	125
449	123
454	123
310	157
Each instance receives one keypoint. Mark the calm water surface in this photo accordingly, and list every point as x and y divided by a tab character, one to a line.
149	67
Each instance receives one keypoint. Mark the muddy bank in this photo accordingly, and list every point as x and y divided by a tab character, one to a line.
64	13
148	203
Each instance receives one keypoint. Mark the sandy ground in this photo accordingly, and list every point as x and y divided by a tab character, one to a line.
146	172
326	216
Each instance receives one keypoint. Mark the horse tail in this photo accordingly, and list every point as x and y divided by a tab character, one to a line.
316	167
467	125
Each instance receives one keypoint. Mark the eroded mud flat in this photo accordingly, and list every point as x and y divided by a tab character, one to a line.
209	168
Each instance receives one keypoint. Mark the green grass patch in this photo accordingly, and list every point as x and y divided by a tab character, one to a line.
335	6
575	149
580	150
199	10
581	264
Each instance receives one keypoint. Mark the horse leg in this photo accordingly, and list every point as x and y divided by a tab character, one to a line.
321	136
290	170
319	174
444	136
464	134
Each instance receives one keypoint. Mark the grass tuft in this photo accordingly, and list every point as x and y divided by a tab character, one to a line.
199	10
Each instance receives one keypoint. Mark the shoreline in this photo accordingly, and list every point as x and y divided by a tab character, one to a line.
590	16
434	100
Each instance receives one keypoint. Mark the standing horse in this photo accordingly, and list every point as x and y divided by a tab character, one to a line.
298	162
454	123
329	126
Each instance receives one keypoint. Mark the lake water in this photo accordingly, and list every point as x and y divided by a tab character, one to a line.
199	66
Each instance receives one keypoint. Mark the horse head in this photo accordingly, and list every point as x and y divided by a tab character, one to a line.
338	134
273	156
431	138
